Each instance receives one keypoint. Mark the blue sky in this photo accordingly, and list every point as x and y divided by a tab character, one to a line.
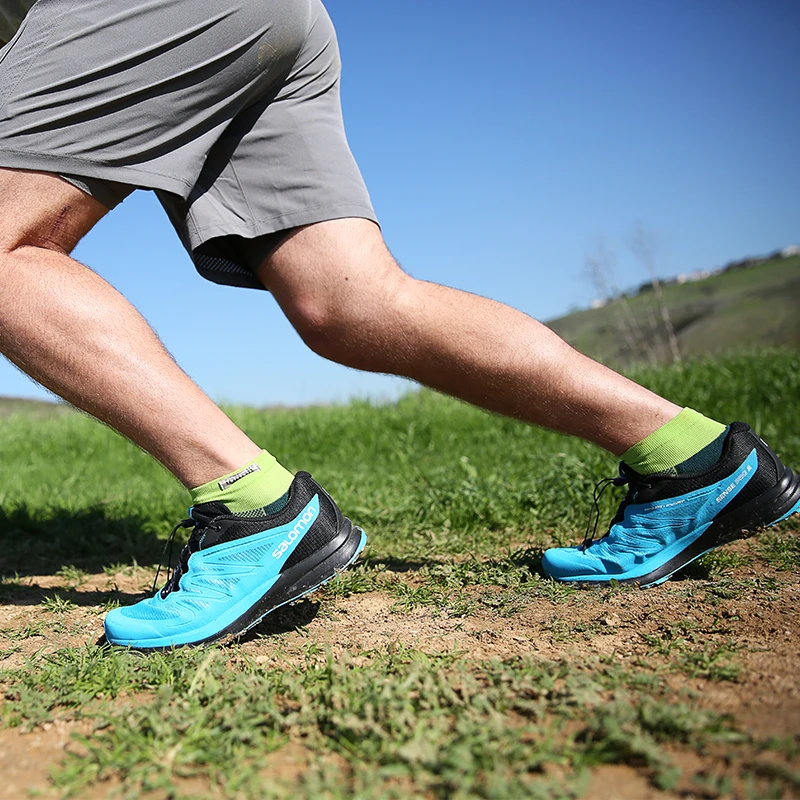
501	142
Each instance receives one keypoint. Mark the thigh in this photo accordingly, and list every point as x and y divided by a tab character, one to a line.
38	209
336	266
282	164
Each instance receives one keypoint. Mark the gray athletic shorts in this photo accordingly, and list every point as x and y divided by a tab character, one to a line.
229	109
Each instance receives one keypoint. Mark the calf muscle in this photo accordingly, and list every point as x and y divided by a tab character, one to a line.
72	332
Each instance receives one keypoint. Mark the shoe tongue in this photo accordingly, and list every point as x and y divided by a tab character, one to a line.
203	512
204	515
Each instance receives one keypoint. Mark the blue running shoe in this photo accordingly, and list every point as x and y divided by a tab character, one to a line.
237	568
667	521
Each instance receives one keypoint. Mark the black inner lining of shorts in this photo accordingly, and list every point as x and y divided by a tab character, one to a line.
249	253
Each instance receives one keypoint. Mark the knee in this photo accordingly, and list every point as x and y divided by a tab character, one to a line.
350	323
340	287
316	320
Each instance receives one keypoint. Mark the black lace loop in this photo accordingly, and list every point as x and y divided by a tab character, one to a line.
184	523
599	488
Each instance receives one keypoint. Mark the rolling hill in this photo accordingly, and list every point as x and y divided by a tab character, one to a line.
751	304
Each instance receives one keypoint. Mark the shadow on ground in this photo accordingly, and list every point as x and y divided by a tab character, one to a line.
43	542
284	620
529	558
32	594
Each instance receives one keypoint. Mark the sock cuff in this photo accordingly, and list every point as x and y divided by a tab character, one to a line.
252	485
673	443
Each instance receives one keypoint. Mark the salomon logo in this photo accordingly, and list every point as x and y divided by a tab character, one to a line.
300	527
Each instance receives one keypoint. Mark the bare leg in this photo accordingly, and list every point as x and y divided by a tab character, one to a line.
71	331
344	293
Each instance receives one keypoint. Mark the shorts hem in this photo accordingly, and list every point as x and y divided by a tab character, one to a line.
69	165
226	272
307	216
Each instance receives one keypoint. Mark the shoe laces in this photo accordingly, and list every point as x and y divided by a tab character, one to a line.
201	523
626	476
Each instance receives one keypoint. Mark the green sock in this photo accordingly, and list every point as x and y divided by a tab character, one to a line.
259	484
688	443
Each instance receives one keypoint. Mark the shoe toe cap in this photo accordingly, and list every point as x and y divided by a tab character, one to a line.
559	562
125	628
570	563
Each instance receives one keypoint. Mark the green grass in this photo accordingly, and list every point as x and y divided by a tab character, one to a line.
436	723
780	551
56	604
426	477
458	506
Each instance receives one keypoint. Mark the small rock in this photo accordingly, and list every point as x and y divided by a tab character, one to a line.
612	620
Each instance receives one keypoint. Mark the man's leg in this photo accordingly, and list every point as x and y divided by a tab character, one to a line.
694	484
71	331
350	301
257	542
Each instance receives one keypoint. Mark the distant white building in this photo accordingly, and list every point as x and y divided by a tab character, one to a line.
791	250
697	275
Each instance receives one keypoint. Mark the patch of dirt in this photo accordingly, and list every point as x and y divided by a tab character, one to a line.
28	626
621	783
25	759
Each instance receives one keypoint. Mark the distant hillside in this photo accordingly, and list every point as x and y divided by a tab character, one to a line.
752	303
40	408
